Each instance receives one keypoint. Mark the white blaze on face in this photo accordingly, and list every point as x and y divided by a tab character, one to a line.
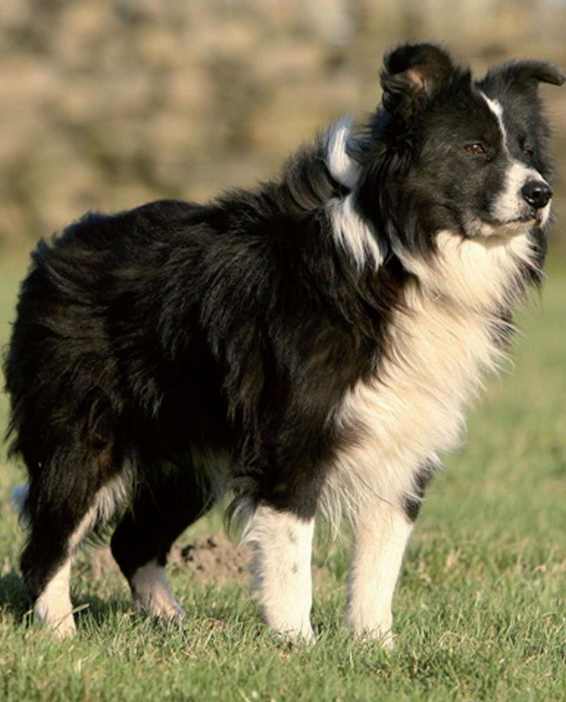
509	206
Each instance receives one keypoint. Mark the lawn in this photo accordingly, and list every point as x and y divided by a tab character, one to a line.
480	611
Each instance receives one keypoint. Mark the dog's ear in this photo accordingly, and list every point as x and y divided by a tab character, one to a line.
411	75
526	75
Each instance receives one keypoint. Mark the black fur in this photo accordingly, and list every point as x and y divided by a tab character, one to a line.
173	329
423	476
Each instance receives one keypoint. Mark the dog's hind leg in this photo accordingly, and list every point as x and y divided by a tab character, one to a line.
58	523
163	507
46	568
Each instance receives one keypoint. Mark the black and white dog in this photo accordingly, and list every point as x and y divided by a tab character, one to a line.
310	346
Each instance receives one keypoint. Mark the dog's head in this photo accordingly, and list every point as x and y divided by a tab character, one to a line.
445	152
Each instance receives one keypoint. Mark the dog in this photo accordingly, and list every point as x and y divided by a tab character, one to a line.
309	346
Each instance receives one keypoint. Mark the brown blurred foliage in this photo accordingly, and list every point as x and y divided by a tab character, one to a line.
105	104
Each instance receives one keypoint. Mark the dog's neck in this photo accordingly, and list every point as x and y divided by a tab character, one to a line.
481	275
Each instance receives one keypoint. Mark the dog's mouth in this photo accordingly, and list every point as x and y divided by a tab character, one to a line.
529	218
532	215
495	227
485	229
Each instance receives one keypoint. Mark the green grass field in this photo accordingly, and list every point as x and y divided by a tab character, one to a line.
480	611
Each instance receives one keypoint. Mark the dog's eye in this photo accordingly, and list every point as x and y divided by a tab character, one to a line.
475	149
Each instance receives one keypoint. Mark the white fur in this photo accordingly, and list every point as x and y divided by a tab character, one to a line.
282	547
474	274
108	500
509	205
152	593
113	496
53	607
497	108
353	233
545	215
381	535
441	345
341	165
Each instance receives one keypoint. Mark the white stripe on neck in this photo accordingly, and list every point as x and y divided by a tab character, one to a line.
343	168
354	234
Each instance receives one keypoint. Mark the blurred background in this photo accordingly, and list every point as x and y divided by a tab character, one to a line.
108	104
105	105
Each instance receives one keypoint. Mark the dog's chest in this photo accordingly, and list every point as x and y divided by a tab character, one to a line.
437	360
439	348
414	407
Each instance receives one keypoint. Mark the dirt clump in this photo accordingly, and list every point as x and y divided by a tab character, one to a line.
209	559
213	559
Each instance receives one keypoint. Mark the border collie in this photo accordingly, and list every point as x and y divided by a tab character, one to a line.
310	346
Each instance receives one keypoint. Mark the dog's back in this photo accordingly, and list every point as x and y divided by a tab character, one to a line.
87	327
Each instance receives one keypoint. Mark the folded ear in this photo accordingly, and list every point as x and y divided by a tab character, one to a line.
526	75
412	74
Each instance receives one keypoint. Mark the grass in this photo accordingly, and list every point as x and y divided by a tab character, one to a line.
480	612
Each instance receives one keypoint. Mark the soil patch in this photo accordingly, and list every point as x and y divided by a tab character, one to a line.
213	559
208	559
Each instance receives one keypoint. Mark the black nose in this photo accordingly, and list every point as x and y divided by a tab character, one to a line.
536	193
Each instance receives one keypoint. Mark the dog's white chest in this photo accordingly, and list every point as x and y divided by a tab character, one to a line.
414	408
439	348
416	402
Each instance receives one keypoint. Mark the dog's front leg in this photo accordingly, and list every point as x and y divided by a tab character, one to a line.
381	532
282	547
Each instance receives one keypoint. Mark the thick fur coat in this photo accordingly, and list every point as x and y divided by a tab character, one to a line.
308	346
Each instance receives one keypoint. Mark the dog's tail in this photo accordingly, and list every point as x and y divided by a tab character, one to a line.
19	500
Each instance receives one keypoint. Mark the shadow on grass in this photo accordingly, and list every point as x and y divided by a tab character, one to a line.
15	601
92	612
95	612
14	598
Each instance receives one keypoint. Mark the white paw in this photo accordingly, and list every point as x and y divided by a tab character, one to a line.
152	594
66	628
297	635
384	638
61	624
159	605
53	608
378	631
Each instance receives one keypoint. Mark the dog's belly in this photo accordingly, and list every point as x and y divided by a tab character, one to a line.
414	408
